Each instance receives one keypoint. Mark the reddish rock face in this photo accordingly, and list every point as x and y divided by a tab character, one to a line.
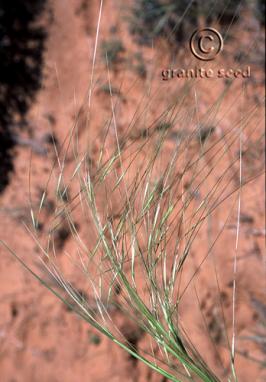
40	339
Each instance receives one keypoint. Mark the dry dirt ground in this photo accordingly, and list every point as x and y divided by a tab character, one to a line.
41	340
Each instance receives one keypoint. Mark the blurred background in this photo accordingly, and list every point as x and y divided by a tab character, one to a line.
46	61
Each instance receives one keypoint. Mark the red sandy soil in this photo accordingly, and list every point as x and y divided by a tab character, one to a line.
40	340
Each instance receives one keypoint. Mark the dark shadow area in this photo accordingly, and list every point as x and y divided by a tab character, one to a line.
21	59
175	20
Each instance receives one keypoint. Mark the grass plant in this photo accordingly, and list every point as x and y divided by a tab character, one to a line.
135	257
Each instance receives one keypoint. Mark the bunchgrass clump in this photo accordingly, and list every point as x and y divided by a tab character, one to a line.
148	240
